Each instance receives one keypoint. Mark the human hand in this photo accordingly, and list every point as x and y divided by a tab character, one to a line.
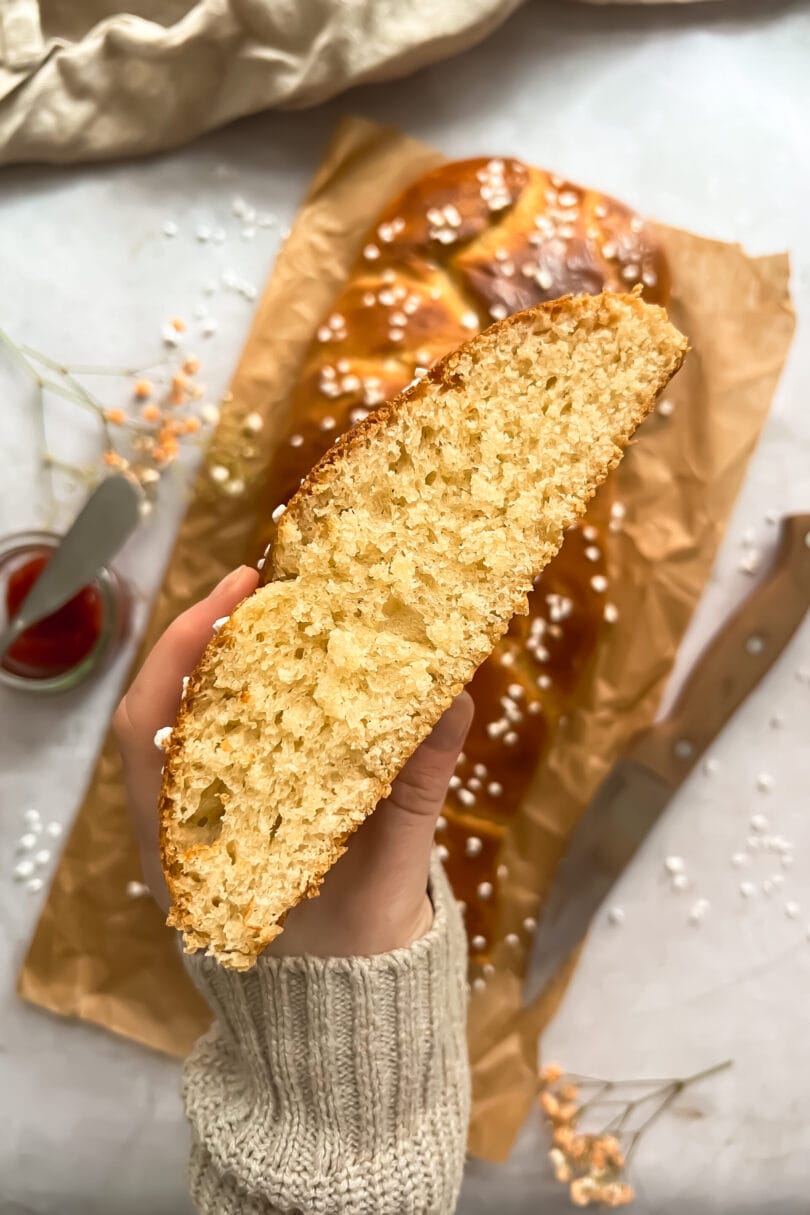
375	898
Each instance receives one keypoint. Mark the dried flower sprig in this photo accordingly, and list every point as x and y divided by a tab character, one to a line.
140	439
593	1164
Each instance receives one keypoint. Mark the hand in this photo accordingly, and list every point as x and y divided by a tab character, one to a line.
375	898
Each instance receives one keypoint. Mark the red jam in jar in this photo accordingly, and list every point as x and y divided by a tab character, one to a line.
59	642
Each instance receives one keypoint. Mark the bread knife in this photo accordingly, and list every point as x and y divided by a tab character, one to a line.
658	760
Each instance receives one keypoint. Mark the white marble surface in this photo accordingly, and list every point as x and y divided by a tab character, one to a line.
696	114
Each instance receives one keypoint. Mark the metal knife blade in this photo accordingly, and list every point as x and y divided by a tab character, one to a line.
657	761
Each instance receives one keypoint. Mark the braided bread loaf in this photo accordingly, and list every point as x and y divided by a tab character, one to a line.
470	242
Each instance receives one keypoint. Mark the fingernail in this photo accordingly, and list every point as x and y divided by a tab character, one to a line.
452	727
230	580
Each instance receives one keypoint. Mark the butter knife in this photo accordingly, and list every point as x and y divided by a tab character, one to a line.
658	760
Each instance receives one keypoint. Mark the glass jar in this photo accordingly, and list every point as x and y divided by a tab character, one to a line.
88	629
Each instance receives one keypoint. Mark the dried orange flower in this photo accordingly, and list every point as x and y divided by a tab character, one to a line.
582	1191
191	425
568	1092
191	365
142	390
113	460
566	1111
150	413
179	389
178	324
551	1073
562	1169
116	416
549	1105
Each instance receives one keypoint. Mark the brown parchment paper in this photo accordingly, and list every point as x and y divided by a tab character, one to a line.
104	957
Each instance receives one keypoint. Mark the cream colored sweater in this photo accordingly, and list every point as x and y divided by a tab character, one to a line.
329	1086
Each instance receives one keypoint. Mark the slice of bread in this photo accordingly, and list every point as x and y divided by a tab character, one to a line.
398	564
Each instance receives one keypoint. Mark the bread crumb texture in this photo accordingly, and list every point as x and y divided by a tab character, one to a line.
398	565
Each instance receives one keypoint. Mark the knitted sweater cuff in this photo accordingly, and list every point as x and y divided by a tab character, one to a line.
334	1084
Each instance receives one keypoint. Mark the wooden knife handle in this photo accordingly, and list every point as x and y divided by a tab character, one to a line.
734	661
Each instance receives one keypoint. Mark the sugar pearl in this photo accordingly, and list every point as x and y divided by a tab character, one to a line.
31	818
530	923
473	846
42	857
466	797
484	890
479	943
442	853
23	870
674	864
162	737
136	890
34	885
494	788
610	613
616	916
27	841
480	770
747	889
792	910
680	882
764	782
699	911
512	939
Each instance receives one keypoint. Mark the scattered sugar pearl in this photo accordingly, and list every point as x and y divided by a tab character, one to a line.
466	797
610	613
371	253
479	984
484	890
34	885
203	233
162	737
441	823
740	859
512	939
23	869
792	910
680	882
479	943
764	782
32	819
616	916
170	336
474	784
710	766
767	886
747	890
593	553
749	563
442	853
589	532
674	864
510	738
786	861
209	327
42	857
699	911
296	440
777	880
666	408
777	721
599	583
530	923
494	788
327	423
473	846
217	625
170	228
218	473
278	512
27	841
455	782
254	422
137	890
480	770
499	312
759	823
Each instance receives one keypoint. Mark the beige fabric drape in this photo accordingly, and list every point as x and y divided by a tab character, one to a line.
80	80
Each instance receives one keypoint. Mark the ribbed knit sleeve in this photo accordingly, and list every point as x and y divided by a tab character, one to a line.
334	1085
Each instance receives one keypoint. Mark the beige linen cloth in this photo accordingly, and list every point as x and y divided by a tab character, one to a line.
82	81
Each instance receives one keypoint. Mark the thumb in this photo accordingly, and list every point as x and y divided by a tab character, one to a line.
421	786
